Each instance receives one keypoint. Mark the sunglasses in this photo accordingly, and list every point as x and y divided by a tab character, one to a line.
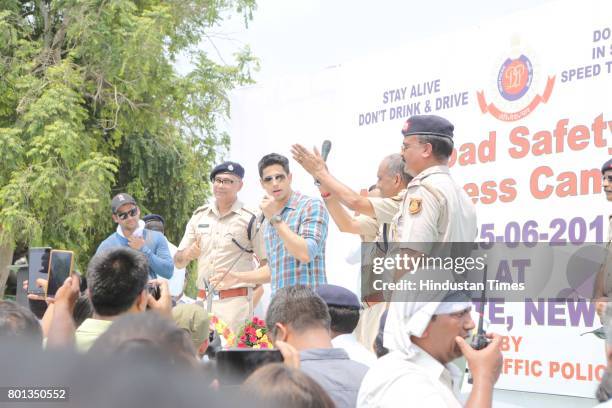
124	215
278	177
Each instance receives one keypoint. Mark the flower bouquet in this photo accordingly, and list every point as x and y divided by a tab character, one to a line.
254	335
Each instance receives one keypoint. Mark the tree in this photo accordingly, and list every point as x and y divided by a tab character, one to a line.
91	104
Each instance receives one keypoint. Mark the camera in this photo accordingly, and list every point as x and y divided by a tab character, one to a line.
154	290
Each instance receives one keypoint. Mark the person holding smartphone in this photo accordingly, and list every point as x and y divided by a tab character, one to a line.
131	233
117	284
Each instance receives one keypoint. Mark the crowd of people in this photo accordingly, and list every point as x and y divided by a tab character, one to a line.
127	335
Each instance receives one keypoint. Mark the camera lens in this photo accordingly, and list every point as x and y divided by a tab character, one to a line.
154	291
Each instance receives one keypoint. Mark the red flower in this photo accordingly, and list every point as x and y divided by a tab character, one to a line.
214	319
255	320
243	338
263	345
242	345
253	339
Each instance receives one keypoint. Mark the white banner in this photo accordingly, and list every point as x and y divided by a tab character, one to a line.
530	99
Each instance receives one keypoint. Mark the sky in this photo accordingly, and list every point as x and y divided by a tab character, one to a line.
299	37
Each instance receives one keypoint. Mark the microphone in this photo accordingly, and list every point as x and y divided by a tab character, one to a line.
325	149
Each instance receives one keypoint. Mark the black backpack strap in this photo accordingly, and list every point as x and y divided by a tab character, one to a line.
249	235
250	227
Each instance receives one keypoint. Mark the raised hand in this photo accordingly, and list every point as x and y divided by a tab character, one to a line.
312	162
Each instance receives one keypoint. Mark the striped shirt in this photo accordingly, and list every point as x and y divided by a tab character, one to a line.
308	218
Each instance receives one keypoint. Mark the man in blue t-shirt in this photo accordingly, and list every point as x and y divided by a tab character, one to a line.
131	232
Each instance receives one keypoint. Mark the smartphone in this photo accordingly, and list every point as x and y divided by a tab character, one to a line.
38	268
21	295
60	267
235	365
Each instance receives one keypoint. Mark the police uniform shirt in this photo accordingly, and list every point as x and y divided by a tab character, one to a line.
215	234
386	209
435	209
368	228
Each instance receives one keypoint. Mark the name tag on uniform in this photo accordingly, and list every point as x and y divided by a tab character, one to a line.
203	227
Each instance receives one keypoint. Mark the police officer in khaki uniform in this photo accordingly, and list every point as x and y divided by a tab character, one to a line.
372	226
392	181
435	209
603	282
222	235
374	302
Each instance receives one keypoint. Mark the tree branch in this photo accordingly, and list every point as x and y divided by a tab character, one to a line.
44	12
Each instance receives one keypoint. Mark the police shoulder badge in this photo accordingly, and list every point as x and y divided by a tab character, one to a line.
415	206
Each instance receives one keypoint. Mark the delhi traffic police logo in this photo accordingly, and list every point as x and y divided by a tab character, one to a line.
517	94
514	78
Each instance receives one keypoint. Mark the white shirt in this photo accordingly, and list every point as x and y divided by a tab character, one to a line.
354	349
420	381
137	232
177	280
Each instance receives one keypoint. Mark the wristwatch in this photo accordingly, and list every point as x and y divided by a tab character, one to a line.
275	219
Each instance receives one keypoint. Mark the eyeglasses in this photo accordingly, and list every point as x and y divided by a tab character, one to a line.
124	215
278	177
225	182
409	145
